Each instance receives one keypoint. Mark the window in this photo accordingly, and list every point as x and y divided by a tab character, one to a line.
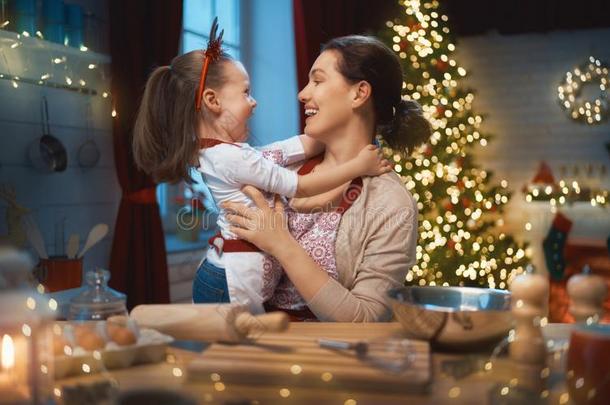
196	23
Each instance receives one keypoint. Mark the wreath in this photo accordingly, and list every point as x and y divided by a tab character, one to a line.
569	92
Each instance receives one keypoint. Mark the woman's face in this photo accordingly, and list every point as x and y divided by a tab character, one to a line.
327	98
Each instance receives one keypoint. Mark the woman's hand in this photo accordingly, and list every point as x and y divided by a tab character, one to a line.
267	228
263	226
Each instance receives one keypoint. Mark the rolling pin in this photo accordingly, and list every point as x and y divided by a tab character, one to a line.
208	322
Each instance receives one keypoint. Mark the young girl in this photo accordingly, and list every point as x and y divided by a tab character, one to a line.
194	113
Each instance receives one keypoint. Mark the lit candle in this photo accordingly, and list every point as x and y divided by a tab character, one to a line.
8	353
8	360
11	389
14	387
25	349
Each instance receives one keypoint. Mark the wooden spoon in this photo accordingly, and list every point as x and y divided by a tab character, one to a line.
73	243
35	238
96	234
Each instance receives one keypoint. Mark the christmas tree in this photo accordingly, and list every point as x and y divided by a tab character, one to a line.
461	237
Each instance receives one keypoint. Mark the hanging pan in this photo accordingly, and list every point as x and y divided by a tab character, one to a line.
47	153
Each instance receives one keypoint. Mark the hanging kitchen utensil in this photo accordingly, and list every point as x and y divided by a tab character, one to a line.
95	235
88	152
47	153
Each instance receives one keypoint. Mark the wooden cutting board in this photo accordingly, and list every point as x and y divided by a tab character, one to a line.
293	358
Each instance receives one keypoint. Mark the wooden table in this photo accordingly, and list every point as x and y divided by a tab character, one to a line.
456	378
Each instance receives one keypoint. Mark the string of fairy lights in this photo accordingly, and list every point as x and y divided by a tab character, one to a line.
566	193
451	220
570	90
65	70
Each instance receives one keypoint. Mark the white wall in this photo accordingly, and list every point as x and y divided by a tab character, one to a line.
84	197
516	80
269	55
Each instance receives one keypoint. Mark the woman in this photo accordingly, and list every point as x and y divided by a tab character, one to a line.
342	260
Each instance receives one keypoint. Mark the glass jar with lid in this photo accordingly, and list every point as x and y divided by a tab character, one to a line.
98	301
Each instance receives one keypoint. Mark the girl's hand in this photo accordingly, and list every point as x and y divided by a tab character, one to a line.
311	146
371	161
263	226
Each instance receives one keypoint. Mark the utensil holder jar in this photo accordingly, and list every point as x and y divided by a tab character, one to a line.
59	273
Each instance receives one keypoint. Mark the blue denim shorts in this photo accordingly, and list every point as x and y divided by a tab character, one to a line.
210	285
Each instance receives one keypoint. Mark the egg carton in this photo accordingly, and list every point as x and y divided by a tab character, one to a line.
150	347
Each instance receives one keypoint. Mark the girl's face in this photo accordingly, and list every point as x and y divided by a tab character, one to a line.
327	97
237	105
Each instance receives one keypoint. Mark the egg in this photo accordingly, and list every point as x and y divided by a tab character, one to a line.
120	335
59	342
88	339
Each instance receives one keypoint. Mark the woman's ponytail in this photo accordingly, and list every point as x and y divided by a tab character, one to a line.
407	129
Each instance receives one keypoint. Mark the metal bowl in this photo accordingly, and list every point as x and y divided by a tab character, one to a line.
453	317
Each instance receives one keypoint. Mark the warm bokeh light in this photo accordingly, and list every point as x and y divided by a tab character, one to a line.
460	209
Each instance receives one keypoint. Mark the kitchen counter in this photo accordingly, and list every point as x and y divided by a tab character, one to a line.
455	378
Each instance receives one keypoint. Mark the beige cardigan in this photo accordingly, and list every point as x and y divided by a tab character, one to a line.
375	247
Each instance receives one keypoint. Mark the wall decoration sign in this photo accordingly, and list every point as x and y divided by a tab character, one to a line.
590	111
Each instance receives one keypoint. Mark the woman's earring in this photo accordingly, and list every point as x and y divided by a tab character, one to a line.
393	111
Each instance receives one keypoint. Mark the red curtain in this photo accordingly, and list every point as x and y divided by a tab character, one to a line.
318	21
143	34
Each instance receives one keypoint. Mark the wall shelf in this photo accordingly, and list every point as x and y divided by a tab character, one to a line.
17	80
35	61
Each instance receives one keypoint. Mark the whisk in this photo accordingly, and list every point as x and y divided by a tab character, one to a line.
390	354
